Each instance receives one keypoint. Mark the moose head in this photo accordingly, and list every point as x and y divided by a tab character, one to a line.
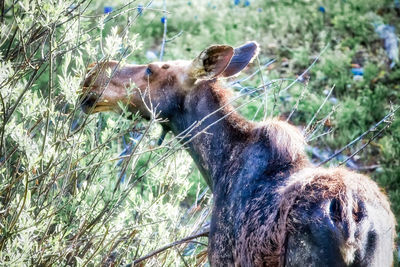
159	86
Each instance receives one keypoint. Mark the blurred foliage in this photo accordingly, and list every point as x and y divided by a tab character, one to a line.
79	190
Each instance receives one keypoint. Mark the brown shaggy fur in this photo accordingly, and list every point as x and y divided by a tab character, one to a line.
304	188
286	141
222	99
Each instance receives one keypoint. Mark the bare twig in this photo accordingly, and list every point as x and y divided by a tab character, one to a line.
319	109
372	129
165	19
173	244
174	37
320	135
367	143
296	106
254	73
309	67
50	91
265	90
320	123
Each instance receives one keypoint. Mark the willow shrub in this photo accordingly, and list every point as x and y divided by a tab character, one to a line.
66	195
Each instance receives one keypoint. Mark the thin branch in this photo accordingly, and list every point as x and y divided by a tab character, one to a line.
174	37
49	99
27	87
265	90
301	77
320	135
367	143
173	244
319	109
372	129
2	10
165	19
320	123
254	73
309	67
296	106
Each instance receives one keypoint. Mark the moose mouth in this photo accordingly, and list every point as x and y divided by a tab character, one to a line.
90	104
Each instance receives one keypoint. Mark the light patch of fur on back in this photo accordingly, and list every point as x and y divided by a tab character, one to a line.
286	141
348	253
316	184
303	190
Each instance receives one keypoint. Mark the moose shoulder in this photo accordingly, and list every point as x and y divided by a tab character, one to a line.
271	207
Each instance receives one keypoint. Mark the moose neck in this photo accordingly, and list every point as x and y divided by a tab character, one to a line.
212	129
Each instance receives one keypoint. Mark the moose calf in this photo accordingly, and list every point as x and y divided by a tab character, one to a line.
271	206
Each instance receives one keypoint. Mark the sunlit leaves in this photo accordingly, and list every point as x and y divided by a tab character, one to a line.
113	43
61	201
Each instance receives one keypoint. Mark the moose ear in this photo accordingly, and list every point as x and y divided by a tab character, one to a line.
211	62
243	55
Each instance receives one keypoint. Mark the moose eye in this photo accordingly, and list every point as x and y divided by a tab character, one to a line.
149	71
